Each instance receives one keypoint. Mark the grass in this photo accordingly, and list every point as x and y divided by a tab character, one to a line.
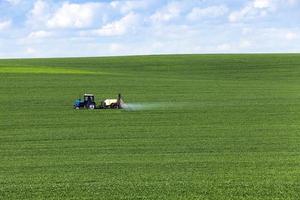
231	130
42	70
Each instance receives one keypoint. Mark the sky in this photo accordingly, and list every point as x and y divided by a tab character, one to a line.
71	28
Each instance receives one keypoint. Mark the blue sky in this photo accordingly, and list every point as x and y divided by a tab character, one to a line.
52	28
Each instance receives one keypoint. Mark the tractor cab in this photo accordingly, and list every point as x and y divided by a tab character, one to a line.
89	98
88	102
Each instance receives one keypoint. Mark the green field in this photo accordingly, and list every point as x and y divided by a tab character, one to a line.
228	128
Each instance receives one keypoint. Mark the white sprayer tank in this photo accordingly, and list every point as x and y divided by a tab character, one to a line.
108	102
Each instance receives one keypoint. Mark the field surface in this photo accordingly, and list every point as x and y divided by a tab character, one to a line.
223	127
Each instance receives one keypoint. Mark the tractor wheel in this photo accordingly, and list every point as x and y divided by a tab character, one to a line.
92	106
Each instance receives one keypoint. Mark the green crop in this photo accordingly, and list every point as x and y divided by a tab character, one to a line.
227	127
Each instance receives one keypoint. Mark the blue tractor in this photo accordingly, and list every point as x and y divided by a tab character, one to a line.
88	102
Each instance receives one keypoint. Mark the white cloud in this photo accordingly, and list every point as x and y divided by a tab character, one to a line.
71	15
292	2
291	35
233	46
262	3
39	34
253	9
130	6
39	8
209	12
167	13
5	24
30	50
119	27
14	2
223	47
245	44
39	14
260	8
115	48
239	15
246	30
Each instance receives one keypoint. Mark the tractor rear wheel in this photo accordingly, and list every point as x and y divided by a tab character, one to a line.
91	106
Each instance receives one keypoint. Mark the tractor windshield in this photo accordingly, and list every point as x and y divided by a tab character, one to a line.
89	98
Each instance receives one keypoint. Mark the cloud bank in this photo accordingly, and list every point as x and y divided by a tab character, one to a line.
52	28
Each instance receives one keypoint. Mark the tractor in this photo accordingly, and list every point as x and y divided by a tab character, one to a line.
88	102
